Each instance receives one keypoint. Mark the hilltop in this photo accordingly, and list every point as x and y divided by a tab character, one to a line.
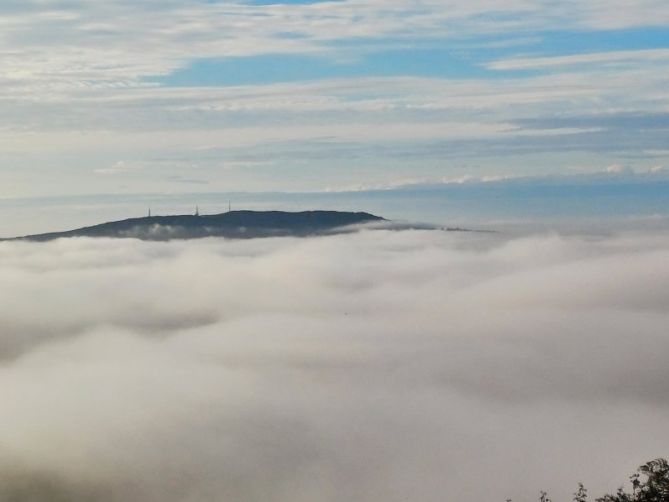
233	224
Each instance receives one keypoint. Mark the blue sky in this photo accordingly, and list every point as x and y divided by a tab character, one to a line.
436	58
168	97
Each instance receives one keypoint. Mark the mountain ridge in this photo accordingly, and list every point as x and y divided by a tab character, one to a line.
242	224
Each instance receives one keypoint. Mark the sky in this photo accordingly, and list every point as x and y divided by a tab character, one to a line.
379	365
177	97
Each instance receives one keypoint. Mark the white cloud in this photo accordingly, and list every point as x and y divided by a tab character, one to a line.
608	59
381	365
83	44
618	169
77	91
79	44
403	183
621	14
118	167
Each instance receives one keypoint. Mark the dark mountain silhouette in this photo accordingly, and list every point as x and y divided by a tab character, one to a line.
233	224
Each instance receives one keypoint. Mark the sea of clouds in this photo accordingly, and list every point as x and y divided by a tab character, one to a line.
384	365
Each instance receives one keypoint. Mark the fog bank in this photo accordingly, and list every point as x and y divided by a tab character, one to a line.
377	366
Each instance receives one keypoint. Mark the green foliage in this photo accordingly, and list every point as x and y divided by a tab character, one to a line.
649	484
581	494
543	497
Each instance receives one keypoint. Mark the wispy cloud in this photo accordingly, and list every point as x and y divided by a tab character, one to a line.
605	60
79	44
119	167
83	81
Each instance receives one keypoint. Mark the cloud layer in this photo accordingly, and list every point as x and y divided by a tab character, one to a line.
375	366
340	92
61	42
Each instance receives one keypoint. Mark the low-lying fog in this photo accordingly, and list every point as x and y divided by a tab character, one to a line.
380	366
